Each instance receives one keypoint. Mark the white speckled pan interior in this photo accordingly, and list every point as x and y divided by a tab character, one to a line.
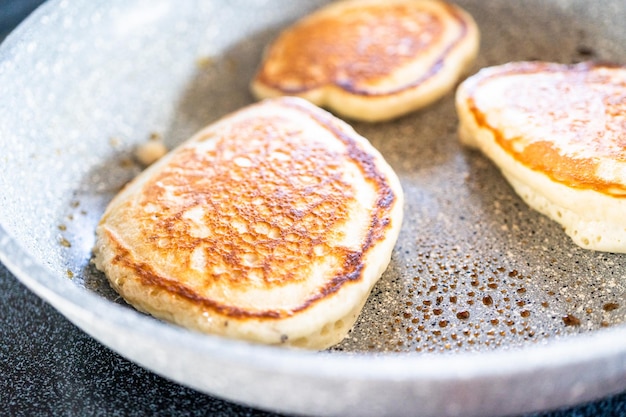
487	308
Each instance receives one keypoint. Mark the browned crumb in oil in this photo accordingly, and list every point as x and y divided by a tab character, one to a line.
571	320
150	151
610	306
126	163
62	227
70	274
585	50
203	62
65	243
463	315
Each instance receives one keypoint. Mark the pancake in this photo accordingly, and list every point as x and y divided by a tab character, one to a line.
558	134
270	225
371	60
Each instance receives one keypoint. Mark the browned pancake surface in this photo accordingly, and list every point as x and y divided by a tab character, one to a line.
258	208
577	114
359	46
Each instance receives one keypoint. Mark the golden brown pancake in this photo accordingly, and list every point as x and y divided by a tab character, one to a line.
558	134
271	225
371	60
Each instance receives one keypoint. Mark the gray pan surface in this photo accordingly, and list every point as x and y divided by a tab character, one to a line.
487	308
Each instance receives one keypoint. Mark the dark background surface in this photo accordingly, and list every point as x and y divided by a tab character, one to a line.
50	367
13	11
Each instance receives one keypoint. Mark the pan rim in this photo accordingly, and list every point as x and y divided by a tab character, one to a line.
583	351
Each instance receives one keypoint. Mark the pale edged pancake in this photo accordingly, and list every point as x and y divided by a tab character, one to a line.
270	225
371	60
558	134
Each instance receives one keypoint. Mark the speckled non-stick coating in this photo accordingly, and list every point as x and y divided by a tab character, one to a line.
474	269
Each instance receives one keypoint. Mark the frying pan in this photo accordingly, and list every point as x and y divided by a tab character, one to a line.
487	308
